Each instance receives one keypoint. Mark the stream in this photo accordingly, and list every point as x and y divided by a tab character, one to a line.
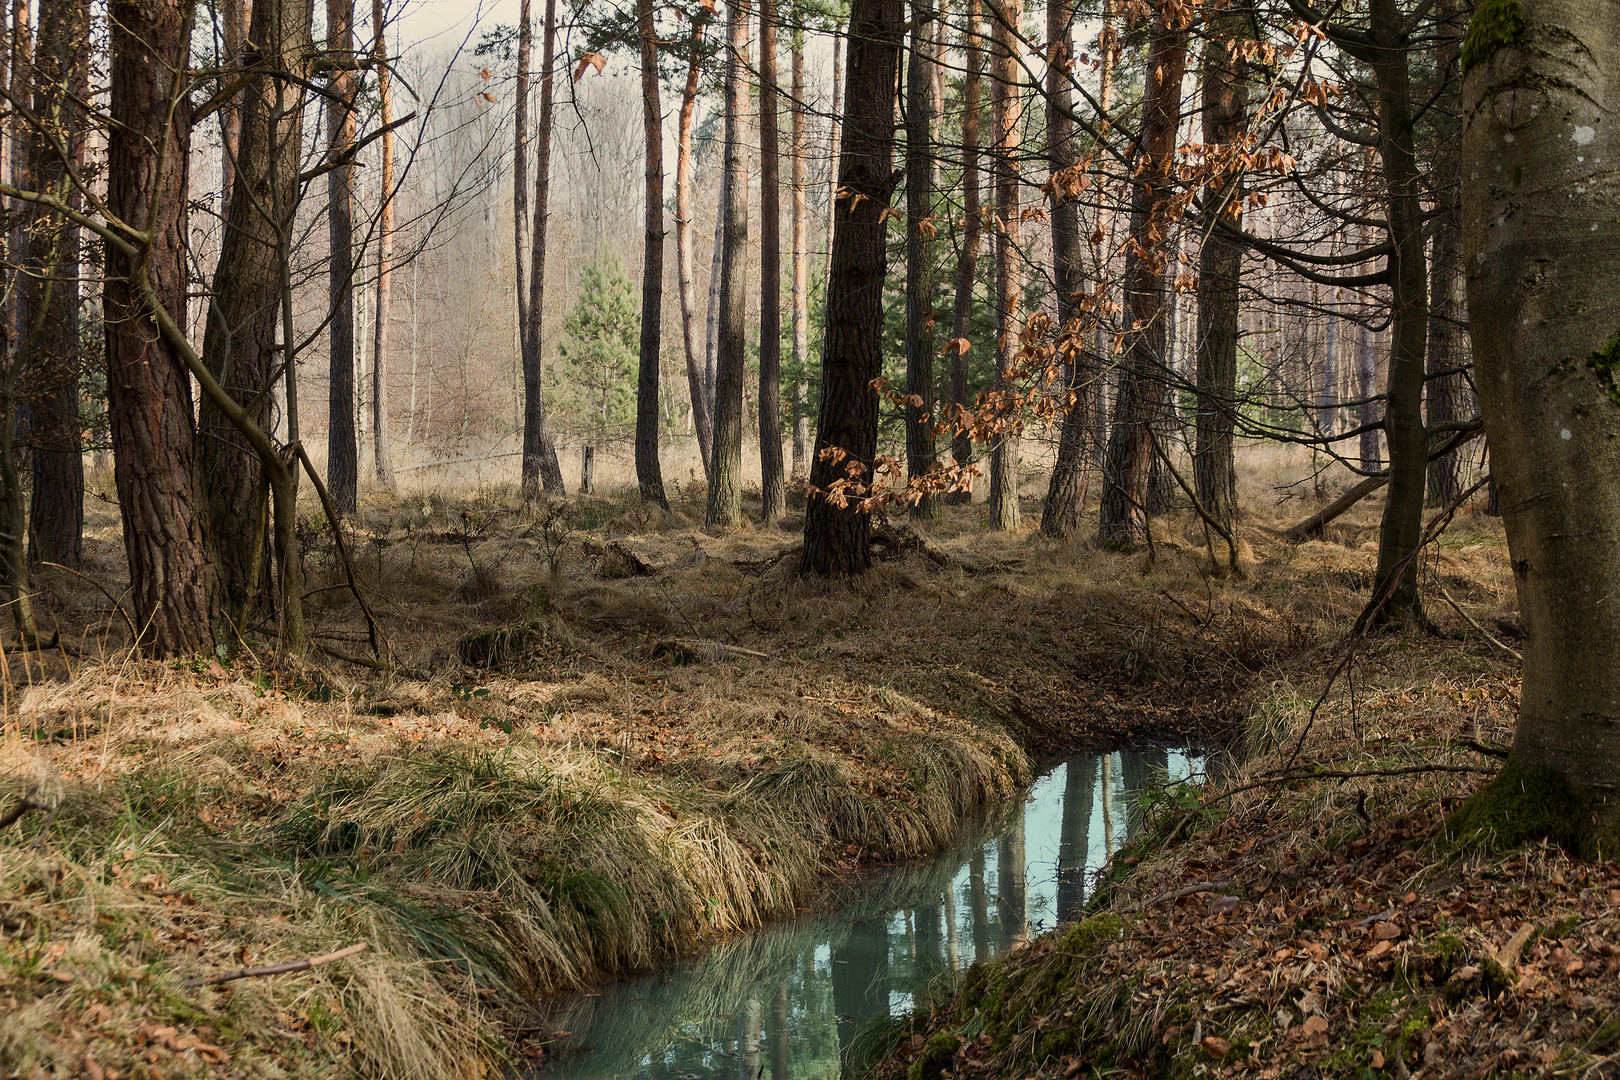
786	1000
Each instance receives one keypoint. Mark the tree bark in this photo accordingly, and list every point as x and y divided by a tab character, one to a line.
649	477
1007	109
801	268
22	60
773	482
342	443
1220	269
1123	516
836	537
725	478
148	389
1447	347
920	417
234	16
1541	245
701	422
381	456
540	470
967	260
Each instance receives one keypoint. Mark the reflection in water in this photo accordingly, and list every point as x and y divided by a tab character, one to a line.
789	998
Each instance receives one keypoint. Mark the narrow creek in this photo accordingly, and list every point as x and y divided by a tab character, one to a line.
786	1000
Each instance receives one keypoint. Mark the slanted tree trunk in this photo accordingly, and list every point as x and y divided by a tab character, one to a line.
1541	247
836	537
540	470
725	478
1007	110
773	483
1123	517
801	267
701	422
920	417
148	390
649	477
967	260
342	442
51	292
1220	268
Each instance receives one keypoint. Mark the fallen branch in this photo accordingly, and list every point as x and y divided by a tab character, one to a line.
372	629
1484	633
1185	890
1312	526
1292	775
276	969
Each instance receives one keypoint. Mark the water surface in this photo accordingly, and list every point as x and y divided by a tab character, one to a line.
785	1001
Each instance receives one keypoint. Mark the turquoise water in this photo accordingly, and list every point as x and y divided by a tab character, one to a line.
785	1001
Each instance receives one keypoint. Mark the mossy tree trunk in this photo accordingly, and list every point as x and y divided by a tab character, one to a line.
1541	243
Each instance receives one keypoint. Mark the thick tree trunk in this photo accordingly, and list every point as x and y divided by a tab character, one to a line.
1541	246
1220	267
967	260
1060	516
540	470
649	477
240	342
837	534
233	17
773	483
920	417
1123	517
725	478
342	442
51	292
1007	110
148	389
701	422
801	268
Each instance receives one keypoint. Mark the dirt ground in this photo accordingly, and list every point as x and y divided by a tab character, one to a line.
609	738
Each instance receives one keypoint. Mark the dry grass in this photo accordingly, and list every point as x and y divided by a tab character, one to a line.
652	763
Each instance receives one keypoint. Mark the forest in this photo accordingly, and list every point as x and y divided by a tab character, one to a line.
809	538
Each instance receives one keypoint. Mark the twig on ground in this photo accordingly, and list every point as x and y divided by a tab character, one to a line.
276	969
1185	890
1484	633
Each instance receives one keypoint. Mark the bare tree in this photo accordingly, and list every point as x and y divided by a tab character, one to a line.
1006	107
648	476
342	444
920	253
725	475
773	489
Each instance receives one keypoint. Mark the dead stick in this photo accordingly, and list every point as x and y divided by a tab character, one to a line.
343	550
24	804
276	969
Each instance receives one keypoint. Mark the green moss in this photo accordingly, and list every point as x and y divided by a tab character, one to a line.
1084	936
1605	362
1525	803
936	1054
1496	24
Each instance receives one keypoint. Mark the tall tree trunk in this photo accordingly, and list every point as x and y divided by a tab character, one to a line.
920	417
148	388
240	340
342	443
1541	247
1220	269
649	477
1006	104
725	478
837	537
381	457
801	268
712	344
699	397
51	292
1123	517
1060	516
1402	524
1372	459
22	61
773	483
967	260
540	470
233	26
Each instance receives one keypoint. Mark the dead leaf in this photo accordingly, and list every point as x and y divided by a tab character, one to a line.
590	59
1386	931
1216	1047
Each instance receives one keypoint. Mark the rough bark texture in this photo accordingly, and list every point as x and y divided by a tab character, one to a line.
51	293
649	478
148	389
1220	266
342	442
801	268
1123	516
699	397
381	457
1540	177
1007	110
773	483
241	343
22	60
837	538
967	260
1060	516
1368	445
1446	393
725	478
540	470
920	253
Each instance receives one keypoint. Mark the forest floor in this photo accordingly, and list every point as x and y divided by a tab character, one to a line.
610	738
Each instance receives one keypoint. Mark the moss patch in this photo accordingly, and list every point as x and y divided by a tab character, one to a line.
1605	362
1525	803
1496	24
